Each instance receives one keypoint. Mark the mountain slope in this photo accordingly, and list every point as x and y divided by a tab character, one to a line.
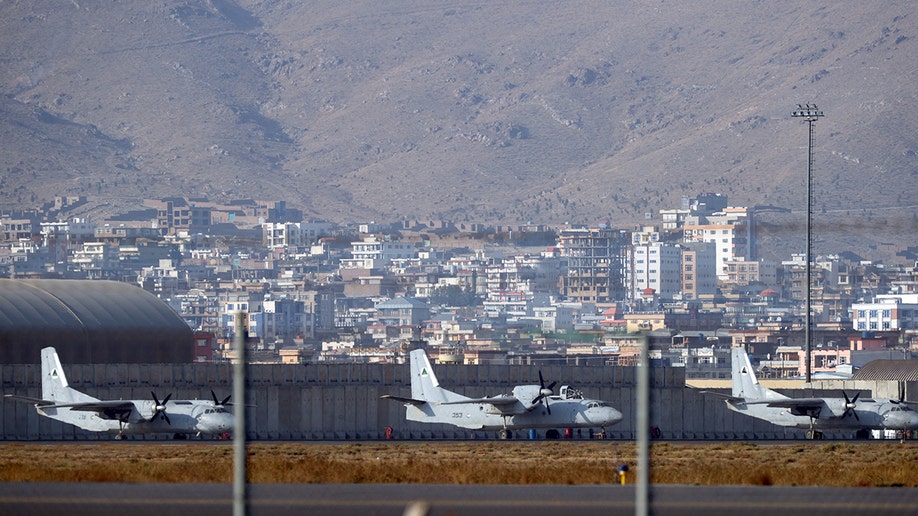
523	111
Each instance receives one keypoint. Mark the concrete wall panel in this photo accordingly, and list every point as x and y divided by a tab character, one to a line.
338	401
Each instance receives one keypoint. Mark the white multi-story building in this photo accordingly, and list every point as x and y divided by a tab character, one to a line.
372	253
71	231
889	312
293	234
657	266
731	230
94	258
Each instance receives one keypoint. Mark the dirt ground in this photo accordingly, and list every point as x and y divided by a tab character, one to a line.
485	462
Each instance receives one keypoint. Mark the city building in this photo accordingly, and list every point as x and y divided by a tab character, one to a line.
371	253
893	312
730	230
699	271
596	259
656	266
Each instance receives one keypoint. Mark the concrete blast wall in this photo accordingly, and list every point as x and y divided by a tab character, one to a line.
342	401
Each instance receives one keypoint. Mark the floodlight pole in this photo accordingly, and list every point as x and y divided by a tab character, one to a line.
642	488
809	113
240	498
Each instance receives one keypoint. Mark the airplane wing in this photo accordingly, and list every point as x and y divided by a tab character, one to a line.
410	401
105	409
497	401
792	403
799	406
504	405
27	399
727	397
813	407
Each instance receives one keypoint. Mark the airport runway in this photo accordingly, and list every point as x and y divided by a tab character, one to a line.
398	499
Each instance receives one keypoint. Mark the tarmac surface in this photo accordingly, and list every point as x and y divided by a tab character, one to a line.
417	500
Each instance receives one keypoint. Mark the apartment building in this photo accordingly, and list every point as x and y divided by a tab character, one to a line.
731	230
66	232
524	274
16	226
699	270
745	272
174	215
372	253
95	259
596	259
656	266
893	312
293	235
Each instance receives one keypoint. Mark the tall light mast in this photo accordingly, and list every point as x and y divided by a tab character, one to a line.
809	113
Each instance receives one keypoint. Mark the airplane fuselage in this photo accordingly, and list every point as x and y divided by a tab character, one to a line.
185	417
577	413
868	414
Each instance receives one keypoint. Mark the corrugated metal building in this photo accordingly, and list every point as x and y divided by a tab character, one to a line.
89	321
895	370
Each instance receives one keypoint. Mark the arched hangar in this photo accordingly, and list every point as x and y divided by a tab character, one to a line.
89	321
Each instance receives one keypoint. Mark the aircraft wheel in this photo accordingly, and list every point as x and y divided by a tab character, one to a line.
503	435
552	434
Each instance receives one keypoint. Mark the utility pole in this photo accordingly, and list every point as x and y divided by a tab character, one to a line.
240	495
809	113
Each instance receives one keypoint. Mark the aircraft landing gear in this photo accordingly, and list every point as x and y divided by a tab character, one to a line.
814	435
552	434
505	434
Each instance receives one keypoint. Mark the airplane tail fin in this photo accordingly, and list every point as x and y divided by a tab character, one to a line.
54	386
745	384
424	384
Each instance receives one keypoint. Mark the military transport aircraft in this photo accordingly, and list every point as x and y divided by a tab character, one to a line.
180	417
815	414
528	407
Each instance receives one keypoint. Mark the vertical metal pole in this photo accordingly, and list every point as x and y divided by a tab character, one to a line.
809	245
642	489
239	458
809	113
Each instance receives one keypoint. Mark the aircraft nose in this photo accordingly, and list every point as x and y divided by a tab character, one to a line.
211	424
612	416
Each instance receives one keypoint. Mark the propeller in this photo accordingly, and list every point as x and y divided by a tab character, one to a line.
544	392
219	403
160	408
850	404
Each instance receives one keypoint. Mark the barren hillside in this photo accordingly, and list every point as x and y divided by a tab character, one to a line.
552	112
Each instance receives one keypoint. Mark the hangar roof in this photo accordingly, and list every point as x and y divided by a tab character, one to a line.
82	303
98	314
898	370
